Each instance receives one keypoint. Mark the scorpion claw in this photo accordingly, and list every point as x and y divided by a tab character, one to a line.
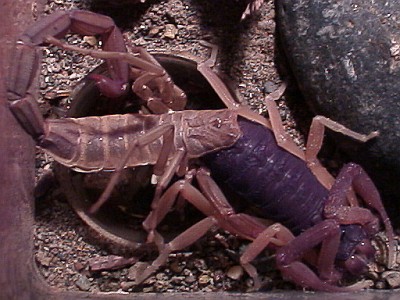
109	87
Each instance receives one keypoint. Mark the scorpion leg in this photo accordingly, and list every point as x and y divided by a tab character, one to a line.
281	136
326	233
275	123
167	171
160	208
169	93
276	234
182	241
314	144
163	130
212	203
205	68
338	213
353	176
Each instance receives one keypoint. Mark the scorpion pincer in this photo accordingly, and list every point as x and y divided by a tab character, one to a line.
251	155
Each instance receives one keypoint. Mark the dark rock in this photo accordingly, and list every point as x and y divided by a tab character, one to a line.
345	56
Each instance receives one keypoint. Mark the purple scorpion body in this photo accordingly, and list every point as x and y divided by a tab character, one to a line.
278	184
255	158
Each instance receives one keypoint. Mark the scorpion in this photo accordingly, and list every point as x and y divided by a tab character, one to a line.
322	231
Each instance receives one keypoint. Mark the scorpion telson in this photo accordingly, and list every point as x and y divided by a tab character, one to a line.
332	218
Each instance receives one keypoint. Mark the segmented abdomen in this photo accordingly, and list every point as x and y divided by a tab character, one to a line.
277	182
92	144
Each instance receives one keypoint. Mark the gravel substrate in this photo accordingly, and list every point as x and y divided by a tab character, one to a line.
64	245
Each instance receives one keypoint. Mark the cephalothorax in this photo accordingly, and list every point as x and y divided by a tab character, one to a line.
244	150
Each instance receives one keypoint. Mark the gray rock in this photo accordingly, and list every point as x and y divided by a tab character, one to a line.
83	283
345	56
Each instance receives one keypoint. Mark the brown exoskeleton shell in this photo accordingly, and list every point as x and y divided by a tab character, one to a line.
107	224
93	144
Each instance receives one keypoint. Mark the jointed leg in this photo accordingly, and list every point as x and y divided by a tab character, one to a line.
275	234
211	202
275	123
281	136
353	176
205	68
162	206
164	130
182	241
314	144
326	233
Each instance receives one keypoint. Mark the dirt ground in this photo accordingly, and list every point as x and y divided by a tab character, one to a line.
251	60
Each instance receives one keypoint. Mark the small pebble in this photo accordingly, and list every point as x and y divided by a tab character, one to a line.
200	264
91	40
380	285
148	289
392	278
78	266
190	279
154	31
373	275
235	272
83	283
126	285
135	269
52	277
270	87
219	276
177	279
43	259
177	267
161	277
204	279
170	31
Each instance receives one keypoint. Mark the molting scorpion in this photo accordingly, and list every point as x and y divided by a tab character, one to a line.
265	166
